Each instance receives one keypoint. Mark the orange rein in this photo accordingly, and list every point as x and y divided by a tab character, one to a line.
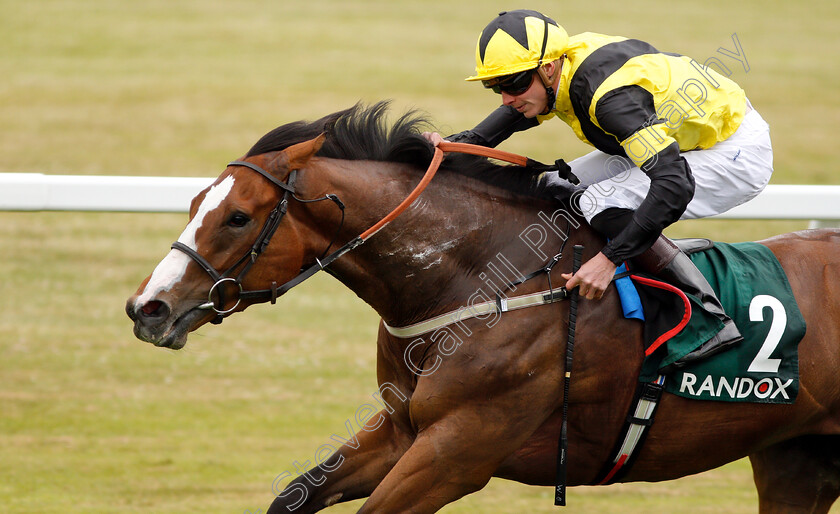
443	147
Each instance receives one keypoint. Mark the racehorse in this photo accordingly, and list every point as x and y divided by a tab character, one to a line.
483	399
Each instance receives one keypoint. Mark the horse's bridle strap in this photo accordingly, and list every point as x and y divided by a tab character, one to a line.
273	293
445	146
271	178
201	261
430	173
269	227
273	221
560	166
483	151
277	291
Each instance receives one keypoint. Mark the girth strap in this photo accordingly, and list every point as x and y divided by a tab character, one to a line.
478	309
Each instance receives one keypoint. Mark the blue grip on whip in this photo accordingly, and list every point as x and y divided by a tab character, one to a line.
631	303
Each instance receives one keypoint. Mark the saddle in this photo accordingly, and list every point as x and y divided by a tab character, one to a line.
754	290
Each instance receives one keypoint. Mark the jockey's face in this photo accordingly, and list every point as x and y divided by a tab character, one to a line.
534	100
530	103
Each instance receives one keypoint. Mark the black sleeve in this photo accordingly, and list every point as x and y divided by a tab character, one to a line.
622	112
497	127
671	189
625	110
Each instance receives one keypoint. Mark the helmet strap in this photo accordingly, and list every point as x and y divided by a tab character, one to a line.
550	83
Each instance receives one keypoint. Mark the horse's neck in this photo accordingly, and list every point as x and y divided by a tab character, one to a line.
459	237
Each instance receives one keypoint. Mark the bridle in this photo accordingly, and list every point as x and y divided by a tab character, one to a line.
272	222
220	279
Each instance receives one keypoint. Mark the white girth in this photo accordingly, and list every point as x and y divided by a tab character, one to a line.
503	304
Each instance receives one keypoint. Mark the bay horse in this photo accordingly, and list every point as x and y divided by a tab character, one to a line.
483	400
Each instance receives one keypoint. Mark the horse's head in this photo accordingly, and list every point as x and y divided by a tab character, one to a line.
239	240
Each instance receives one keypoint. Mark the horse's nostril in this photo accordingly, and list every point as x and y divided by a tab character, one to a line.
154	310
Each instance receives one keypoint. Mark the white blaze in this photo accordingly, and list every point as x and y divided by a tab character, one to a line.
172	268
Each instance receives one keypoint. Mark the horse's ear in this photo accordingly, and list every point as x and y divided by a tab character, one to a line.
296	156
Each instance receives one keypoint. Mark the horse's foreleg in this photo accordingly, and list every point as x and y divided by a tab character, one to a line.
448	460
800	475
425	479
352	472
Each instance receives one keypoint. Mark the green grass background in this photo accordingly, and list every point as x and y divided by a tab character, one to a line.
92	420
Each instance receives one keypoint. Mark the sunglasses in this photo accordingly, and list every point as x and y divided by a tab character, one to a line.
515	84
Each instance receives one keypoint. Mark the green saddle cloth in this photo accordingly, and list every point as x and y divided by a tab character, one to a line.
754	290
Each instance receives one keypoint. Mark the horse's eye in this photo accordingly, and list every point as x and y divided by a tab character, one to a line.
238	220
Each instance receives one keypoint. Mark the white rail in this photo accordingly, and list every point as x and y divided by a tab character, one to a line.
40	192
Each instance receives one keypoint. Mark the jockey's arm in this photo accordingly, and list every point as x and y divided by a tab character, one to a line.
495	128
647	143
630	115
671	188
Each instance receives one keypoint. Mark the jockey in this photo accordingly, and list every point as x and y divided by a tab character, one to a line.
674	140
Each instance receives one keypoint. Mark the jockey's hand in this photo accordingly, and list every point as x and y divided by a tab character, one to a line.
592	278
433	137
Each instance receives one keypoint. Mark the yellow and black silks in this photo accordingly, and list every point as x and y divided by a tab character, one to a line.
626	98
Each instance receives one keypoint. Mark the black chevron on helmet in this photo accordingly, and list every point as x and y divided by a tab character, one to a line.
513	24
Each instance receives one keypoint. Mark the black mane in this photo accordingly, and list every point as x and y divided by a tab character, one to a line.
362	133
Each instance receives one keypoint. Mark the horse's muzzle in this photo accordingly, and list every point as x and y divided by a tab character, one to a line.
155	323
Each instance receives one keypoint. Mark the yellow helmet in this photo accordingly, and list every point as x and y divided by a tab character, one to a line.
517	41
